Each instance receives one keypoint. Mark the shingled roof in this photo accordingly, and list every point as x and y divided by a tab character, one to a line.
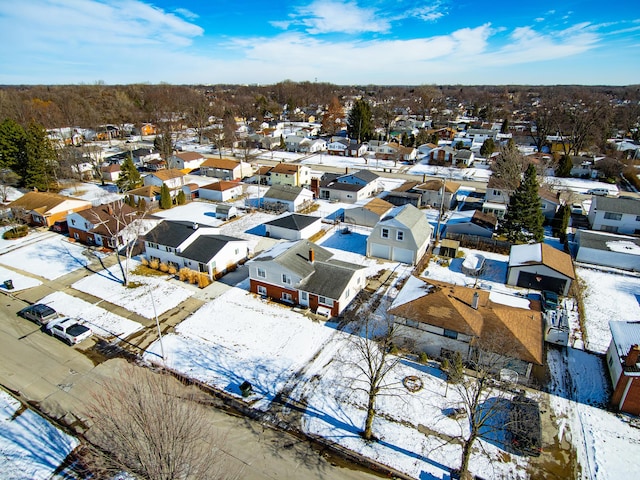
443	305
541	254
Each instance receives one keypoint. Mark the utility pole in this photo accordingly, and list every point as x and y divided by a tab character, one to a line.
440	212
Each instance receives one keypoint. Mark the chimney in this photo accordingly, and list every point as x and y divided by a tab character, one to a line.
632	357
312	255
195	226
474	301
346	170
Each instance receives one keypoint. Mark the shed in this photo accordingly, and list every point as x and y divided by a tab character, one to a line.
541	267
449	248
226	211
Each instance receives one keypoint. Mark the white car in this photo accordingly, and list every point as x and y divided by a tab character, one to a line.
69	330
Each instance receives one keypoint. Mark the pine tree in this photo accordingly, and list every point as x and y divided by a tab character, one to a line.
129	176
181	198
488	147
523	220
564	166
165	197
40	158
360	121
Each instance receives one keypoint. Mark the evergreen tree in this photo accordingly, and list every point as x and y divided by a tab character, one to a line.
360	121
12	145
523	219
142	205
164	145
181	198
564	166
165	197
40	159
129	176
504	128
488	147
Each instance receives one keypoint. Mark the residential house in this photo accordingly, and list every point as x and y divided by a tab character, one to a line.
290	174
369	214
286	198
355	149
399	198
550	202
496	197
43	209
186	160
314	145
441	155
142	156
225	169
608	250
350	187
303	273
293	142
478	225
615	215
541	267
111	225
440	318
435	191
463	157
150	194
396	152
338	147
155	165
293	227
173	178
222	191
187	244
624	366
403	235
110	172
147	129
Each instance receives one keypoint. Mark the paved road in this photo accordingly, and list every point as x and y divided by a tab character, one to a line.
58	380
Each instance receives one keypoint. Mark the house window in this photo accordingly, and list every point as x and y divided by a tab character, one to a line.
638	218
325	301
609	228
385	233
304	296
262	273
287	297
612	216
262	290
400	235
450	334
286	279
169	249
73	221
610	361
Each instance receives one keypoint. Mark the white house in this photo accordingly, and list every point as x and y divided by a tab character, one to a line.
221	191
293	227
350	187
286	197
174	179
186	160
187	244
615	214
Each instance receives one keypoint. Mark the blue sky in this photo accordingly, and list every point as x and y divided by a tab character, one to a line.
342	42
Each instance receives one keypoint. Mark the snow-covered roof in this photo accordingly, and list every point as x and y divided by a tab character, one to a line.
624	335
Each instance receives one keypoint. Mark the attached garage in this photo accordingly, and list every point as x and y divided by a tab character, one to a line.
402	255
541	282
380	251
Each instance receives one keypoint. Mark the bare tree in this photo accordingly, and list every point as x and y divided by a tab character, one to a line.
373	342
509	166
152	427
483	394
8	180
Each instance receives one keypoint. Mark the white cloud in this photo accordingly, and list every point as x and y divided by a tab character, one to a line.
331	16
188	14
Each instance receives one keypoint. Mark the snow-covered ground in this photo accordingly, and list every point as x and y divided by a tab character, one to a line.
148	295
102	322
51	257
30	447
92	192
579	185
607	296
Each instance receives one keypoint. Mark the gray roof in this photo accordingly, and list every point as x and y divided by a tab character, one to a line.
170	233
624	335
295	221
599	240
411	217
617	205
366	175
296	257
283	192
463	154
329	278
206	247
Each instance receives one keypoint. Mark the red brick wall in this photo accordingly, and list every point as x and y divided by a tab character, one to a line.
632	401
275	292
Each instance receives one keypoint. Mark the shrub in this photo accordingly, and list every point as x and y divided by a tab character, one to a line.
154	263
423	358
193	277
164	267
183	274
18	231
203	280
144	261
172	270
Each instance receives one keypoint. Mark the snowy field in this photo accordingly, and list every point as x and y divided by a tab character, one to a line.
30	447
578	185
20	282
92	192
51	258
102	322
202	213
607	297
151	293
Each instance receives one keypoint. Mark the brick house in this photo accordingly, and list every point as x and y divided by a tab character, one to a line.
44	209
624	366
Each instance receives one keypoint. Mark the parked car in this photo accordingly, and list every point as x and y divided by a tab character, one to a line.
69	330
602	192
549	300
39	313
524	425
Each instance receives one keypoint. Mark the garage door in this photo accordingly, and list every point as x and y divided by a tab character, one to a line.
380	251
541	282
402	255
